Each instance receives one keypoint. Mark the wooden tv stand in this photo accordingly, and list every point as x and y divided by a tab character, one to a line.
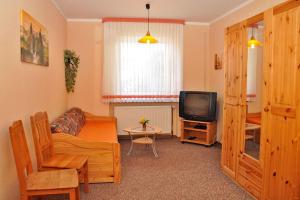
198	132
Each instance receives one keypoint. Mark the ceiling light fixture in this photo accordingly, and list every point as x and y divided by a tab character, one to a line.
148	38
253	43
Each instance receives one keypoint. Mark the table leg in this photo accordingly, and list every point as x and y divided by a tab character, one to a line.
154	150
131	146
153	146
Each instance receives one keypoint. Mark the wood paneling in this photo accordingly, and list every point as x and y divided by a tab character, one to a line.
244	169
249	174
277	174
281	113
233	62
284	69
229	139
286	6
255	19
233	56
249	169
103	157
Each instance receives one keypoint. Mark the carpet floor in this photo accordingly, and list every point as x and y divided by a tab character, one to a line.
182	171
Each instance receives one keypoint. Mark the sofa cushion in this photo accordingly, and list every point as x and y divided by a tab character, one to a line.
99	131
77	115
70	122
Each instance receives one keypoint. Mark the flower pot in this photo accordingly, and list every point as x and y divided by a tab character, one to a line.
144	127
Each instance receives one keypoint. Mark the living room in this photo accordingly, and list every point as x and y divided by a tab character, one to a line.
204	52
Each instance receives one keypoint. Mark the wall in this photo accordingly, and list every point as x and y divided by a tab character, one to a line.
27	88
85	37
216	45
195	55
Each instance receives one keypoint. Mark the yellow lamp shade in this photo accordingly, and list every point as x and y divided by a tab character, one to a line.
148	39
252	43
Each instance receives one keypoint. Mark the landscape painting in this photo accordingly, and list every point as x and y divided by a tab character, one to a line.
34	41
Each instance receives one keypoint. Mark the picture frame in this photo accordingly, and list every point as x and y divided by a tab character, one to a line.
34	43
217	62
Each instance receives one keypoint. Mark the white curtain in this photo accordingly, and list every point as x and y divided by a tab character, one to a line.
135	72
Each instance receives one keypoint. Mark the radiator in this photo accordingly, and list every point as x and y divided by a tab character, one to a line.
128	116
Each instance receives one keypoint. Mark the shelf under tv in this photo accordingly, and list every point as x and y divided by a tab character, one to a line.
204	133
195	129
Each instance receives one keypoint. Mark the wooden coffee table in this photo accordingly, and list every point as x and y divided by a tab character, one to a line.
146	137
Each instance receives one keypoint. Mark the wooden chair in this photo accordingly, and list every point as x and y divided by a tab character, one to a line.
39	183
46	158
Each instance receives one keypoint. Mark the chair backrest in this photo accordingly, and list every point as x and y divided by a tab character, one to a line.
21	152
42	137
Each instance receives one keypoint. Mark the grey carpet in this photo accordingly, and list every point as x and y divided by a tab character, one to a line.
252	149
182	171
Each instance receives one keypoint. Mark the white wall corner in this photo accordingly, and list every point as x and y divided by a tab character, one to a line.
59	9
232	11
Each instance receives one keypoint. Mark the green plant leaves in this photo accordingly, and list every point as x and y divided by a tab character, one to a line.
71	68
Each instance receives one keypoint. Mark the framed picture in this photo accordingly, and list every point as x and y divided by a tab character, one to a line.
34	41
217	62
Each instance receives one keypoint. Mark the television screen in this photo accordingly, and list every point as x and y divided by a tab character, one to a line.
196	104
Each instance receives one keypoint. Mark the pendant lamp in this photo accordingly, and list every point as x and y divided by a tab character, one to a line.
148	38
253	43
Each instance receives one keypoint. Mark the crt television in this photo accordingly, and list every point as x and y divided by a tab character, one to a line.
198	105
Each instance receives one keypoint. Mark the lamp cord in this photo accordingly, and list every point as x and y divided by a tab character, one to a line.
148	18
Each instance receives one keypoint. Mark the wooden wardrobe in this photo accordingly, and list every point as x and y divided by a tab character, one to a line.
276	174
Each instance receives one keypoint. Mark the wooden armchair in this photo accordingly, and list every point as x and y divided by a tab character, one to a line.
46	159
39	183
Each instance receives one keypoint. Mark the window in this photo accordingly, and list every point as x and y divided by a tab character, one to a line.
135	72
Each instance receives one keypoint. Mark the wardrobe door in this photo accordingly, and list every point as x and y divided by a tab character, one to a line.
250	138
281	115
233	60
231	129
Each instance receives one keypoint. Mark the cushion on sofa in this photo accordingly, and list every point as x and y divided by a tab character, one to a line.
70	122
77	115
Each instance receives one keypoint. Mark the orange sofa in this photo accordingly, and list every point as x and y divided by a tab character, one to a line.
254	118
80	133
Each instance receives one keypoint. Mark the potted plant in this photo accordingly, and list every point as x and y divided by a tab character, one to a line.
71	67
144	122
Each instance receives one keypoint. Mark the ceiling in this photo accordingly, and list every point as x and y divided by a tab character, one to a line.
203	11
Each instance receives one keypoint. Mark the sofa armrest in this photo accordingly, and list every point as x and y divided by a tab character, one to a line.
91	117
